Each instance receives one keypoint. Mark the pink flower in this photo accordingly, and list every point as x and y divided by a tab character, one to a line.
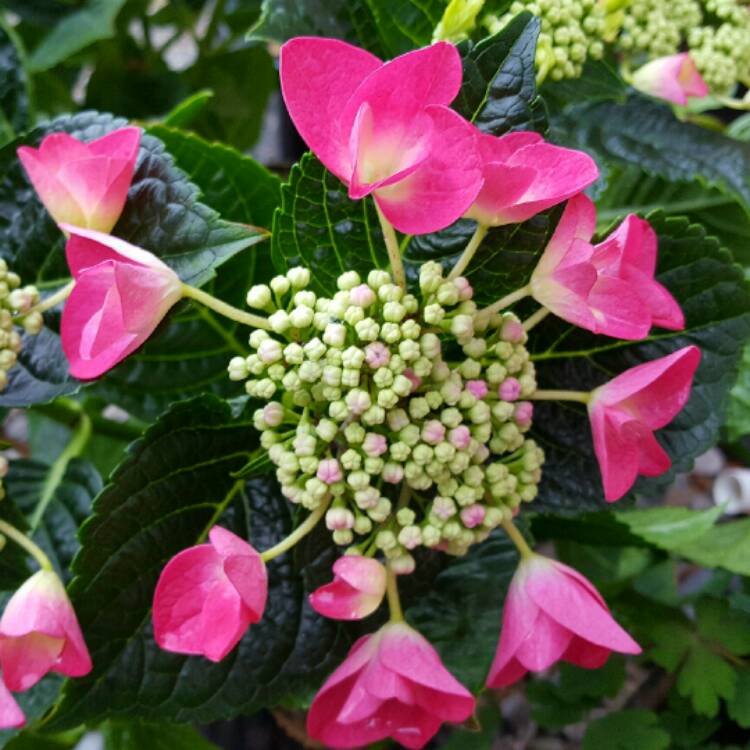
625	411
568	283
208	595
329	471
460	437
553	613
674	78
374	445
121	294
629	253
523	413
11	716
477	388
39	633
473	515
433	432
392	684
377	355
357	589
524	175
509	389
385	128
84	184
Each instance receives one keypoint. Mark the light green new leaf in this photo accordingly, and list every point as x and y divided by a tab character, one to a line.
725	546
667	527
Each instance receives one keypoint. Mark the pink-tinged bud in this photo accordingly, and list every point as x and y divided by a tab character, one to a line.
415	380
273	414
464	289
329	471
377	355
84	184
674	78
512	331
357	589
509	389
625	412
121	294
209	595
433	432
524	175
339	518
374	445
269	351
460	437
523	413
473	515
392	473
11	716
385	128
477	388
391	685
39	633
541	627
362	296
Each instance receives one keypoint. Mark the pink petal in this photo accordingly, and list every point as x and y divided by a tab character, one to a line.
318	76
26	659
502	148
674	78
637	243
618	310
11	716
444	185
339	601
585	654
221	624
503	186
58	149
121	144
362	573
665	310
545	644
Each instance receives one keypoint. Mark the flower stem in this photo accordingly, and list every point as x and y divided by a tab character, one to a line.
582	397
476	240
52	301
23	541
506	301
517	538
394	251
74	448
391	590
537	317
301	531
228	311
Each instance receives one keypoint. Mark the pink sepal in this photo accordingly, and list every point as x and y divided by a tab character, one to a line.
11	715
208	595
625	411
39	633
674	78
356	591
392	684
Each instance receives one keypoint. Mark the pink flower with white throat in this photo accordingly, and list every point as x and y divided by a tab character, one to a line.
524	175
392	684
385	128
121	294
674	78
39	633
209	595
84	184
552	613
625	412
568	282
357	589
11	715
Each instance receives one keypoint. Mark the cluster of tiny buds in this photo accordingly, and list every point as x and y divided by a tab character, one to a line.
15	301
404	413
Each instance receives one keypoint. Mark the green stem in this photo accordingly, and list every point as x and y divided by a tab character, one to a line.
23	541
228	311
301	531
537	317
582	397
74	448
52	301
391	590
213	24
476	240
67	412
506	301
394	251
517	538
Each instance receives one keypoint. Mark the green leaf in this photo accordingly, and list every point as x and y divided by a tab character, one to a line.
725	546
686	728
718	622
163	214
172	487
626	730
317	225
498	92
139	735
738	416
705	678
34	703
93	22
188	109
15	105
489	720
738	707
669	527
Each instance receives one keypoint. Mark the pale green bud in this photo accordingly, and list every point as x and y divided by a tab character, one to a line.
279	321
354	315
298	277
348	280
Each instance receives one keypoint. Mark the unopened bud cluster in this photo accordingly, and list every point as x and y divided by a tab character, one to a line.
405	412
15	300
571	32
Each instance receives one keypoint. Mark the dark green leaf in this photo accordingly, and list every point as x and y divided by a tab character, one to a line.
137	735
739	706
626	730
719	623
34	703
738	416
489	722
15	102
187	110
498	93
